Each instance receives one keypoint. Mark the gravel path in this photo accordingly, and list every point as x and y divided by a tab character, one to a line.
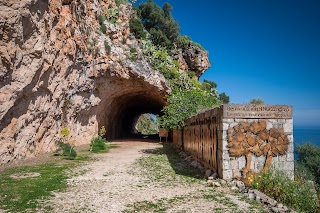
112	183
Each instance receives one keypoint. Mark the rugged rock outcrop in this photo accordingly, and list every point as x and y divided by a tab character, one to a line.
58	70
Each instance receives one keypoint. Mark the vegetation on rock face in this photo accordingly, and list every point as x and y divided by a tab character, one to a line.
294	194
136	27
159	23
160	45
146	125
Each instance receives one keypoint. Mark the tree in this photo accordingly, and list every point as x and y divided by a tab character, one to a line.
256	101
136	27
209	85
224	98
159	23
183	104
309	158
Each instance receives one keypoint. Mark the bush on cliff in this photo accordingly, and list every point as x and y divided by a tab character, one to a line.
294	194
159	23
309	160
136	27
186	99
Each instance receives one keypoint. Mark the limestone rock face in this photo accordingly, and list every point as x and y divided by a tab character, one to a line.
196	59
58	70
55	73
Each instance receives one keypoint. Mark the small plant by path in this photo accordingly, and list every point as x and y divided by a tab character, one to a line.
66	147
99	144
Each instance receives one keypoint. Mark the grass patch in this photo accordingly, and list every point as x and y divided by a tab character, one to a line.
165	165
160	205
220	198
21	194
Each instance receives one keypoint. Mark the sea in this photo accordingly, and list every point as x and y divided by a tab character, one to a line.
303	135
306	134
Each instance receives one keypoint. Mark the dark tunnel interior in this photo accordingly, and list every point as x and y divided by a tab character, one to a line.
125	111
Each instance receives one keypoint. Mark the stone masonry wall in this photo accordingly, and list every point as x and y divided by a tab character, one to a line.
232	166
241	139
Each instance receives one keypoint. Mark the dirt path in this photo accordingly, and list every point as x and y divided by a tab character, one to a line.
115	182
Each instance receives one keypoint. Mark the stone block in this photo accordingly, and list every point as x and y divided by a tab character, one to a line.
228	120
240	120
234	164
226	153
290	157
290	148
269	125
281	121
233	125
226	165
242	162
273	121
275	159
227	174
290	137
225	126
224	135
236	173
289	165
282	158
287	127
260	163
225	145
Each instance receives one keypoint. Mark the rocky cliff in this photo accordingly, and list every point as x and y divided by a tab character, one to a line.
59	70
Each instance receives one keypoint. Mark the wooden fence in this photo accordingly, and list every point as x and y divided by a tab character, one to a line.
200	137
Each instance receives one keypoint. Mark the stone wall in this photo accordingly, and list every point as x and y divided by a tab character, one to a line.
236	141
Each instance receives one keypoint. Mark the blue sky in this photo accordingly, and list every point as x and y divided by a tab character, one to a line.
268	49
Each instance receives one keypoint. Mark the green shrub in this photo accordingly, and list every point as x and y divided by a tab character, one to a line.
224	98
159	23
293	194
309	158
66	150
98	144
118	2
101	19
103	28
198	45
107	47
112	14
136	27
183	41
191	74
184	102
72	31
133	54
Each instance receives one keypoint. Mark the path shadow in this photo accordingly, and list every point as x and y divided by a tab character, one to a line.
179	165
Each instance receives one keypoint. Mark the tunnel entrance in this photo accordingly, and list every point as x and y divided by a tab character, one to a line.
122	123
147	126
126	111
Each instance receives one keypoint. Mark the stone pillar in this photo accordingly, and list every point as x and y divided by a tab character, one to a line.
252	121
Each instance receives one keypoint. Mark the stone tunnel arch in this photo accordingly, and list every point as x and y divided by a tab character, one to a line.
124	100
